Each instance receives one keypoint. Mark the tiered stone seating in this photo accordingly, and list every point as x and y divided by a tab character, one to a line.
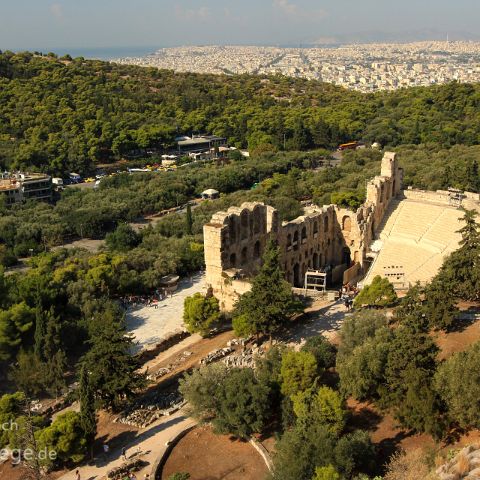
416	237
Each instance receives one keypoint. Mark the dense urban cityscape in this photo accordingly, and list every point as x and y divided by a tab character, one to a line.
362	67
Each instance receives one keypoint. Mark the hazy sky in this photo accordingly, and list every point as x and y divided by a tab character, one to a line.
42	24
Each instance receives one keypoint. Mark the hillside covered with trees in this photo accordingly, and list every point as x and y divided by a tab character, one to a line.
59	115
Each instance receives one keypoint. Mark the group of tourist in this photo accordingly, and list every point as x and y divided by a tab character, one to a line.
347	294
145	300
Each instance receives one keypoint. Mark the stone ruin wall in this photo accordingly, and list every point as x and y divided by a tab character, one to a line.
323	236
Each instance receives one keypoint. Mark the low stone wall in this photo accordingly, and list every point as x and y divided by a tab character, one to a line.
168	342
157	467
352	274
439	196
263	453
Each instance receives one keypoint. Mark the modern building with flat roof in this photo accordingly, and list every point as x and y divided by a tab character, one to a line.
19	187
202	143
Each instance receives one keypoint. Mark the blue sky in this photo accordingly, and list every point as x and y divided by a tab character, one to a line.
42	24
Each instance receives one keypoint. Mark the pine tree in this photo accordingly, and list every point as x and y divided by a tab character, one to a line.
40	330
87	409
460	273
112	367
270	303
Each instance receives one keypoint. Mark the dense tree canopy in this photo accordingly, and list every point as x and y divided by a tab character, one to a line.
63	115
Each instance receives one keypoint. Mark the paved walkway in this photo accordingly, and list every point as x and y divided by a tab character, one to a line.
150	325
151	443
325	321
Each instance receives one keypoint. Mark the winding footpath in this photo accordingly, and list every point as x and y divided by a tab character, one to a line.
151	443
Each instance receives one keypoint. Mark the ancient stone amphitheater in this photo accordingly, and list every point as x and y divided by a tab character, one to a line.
402	235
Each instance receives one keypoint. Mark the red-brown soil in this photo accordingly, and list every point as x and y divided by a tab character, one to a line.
206	456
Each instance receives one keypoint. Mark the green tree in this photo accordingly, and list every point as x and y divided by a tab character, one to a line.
270	304
88	419
326	473
200	387
244	404
188	220
359	327
362	370
179	476
458	383
11	407
460	272
124	238
111	366
15	325
234	401
298	372
200	312
299	452
409	351
380	293
440	308
65	437
355	453
323	351
323	406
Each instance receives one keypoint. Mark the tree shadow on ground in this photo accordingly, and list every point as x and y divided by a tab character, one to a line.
389	446
364	419
465	319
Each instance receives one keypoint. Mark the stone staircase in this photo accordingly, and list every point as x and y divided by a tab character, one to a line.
416	237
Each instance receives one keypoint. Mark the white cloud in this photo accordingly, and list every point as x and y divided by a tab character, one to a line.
202	13
292	10
56	10
286	7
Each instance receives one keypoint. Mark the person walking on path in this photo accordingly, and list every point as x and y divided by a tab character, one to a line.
124	453
77	475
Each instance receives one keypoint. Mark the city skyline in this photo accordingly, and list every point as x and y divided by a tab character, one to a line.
64	24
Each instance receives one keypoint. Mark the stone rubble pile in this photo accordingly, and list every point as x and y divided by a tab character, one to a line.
237	341
119	473
464	466
170	367
141	415
217	354
244	359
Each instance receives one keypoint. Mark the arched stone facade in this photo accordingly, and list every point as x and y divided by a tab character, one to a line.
323	236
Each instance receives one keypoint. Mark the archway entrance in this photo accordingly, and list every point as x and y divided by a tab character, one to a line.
297	281
346	256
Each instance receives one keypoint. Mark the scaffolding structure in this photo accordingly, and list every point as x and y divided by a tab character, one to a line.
455	197
315	280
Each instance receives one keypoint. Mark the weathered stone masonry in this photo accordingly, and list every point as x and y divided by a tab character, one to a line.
324	236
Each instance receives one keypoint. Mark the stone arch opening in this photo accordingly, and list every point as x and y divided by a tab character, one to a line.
346	223
296	276
304	235
244	228
325	224
256	249
315	261
295	240
244	255
289	241
232	229
315	229
346	256
233	260
257	221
